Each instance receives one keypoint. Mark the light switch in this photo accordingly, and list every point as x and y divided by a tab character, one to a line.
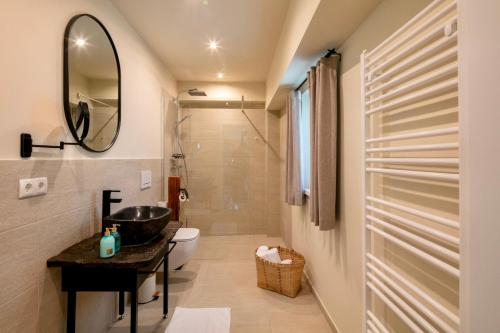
31	187
145	179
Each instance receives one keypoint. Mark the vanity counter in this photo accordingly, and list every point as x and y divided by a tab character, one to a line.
86	253
83	270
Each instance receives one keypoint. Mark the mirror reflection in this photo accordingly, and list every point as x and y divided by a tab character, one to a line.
93	78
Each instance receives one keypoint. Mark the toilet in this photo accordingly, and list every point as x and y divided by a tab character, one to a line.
187	243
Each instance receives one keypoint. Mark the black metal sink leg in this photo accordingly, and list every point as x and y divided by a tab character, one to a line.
71	312
165	286
133	311
121	304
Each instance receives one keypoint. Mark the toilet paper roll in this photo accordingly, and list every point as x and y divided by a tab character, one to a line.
182	197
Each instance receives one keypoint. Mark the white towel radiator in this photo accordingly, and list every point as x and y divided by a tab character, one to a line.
410	157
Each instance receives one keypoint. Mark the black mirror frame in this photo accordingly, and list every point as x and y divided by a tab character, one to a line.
67	106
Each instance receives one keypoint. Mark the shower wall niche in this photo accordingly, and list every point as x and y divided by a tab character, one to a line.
233	174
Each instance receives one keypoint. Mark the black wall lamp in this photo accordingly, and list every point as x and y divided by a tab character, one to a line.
83	119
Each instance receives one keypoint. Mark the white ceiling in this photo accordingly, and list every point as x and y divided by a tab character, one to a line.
179	32
333	22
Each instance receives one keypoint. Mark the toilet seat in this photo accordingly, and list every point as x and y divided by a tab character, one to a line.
186	234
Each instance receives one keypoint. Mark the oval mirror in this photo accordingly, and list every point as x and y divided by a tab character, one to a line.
91	83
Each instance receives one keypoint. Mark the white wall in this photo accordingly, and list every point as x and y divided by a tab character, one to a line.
31	34
334	258
479	52
298	16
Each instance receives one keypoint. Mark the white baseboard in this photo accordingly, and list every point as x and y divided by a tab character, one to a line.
329	318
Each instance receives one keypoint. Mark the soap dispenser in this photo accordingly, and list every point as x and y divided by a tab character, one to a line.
107	245
117	236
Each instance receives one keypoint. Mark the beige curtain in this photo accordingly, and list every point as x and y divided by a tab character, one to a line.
322	81
293	189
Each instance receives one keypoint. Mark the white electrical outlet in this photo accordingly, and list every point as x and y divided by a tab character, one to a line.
31	187
145	179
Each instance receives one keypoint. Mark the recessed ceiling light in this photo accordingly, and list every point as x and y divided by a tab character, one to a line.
213	45
80	42
220	75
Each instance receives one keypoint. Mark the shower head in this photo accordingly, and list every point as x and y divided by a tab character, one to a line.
196	92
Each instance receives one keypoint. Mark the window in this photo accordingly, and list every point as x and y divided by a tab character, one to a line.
305	138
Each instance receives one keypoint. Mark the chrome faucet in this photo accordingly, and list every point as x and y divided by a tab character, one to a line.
106	205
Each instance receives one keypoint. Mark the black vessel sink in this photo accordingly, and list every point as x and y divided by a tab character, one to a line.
138	225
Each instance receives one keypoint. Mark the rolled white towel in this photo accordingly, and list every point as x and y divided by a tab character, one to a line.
262	250
286	261
273	256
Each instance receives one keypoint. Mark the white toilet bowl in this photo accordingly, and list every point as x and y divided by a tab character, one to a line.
187	243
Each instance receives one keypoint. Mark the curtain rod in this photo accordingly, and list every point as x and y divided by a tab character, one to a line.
80	95
327	55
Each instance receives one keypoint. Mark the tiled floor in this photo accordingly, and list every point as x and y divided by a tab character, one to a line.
222	274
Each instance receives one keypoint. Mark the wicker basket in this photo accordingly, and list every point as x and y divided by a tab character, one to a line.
281	278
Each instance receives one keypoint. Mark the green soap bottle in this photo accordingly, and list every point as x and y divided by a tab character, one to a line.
117	236
107	245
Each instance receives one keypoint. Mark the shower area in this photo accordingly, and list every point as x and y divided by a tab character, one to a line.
230	155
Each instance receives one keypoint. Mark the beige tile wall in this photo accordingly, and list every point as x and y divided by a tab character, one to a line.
233	175
34	229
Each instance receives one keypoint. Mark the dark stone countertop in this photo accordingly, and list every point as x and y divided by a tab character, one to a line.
86	253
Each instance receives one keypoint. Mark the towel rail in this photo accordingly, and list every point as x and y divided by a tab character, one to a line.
438	32
407	80
430	147
443	310
416	212
435	90
418	70
450	69
395	308
425	25
377	322
416	135
408	25
413	300
416	251
416	239
438	46
418	226
372	327
416	174
415	161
